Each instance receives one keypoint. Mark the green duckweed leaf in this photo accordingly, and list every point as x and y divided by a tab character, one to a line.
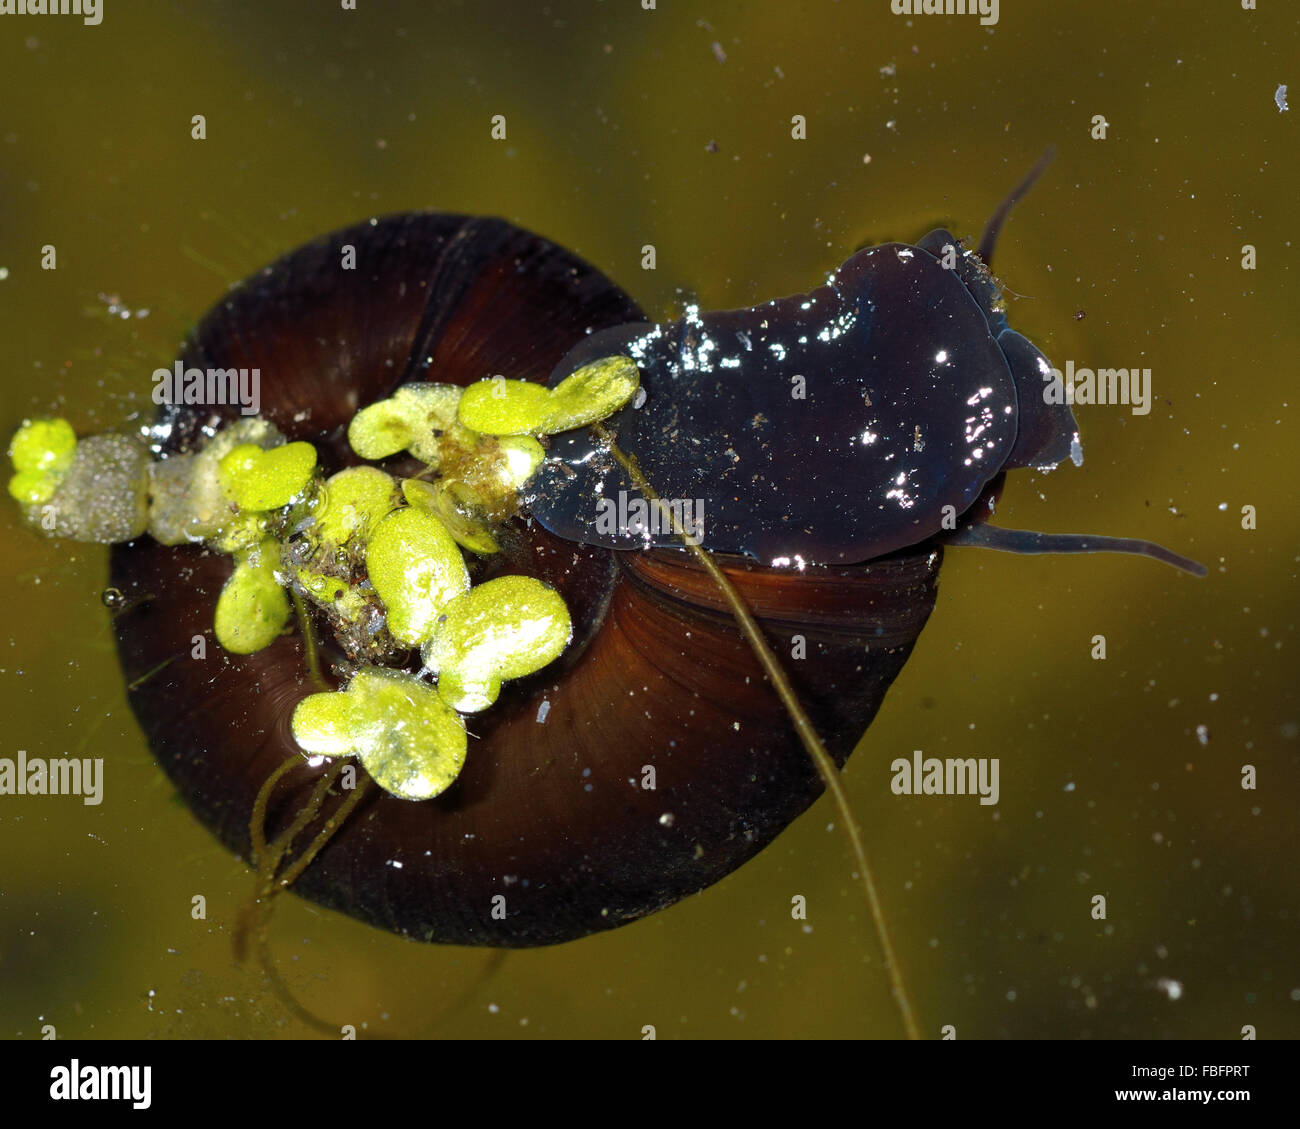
331	592
43	445
443	501
504	629
410	742
33	487
266	480
322	725
407	419
252	608
505	407
354	502
520	407
592	393
416	568
187	502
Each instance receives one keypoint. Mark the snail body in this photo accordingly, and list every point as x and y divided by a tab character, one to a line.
834	426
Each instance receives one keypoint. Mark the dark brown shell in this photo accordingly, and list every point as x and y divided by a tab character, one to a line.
550	810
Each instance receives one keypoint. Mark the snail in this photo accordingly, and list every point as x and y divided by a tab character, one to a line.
823	449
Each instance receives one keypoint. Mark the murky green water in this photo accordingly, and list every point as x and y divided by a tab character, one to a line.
627	127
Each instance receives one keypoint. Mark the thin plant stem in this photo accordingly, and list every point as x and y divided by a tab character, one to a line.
309	644
803	725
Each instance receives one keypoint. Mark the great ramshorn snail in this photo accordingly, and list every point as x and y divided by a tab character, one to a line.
629	751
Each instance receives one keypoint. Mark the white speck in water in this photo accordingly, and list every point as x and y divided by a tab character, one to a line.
1279	96
667	819
1171	988
1203	734
542	711
639	398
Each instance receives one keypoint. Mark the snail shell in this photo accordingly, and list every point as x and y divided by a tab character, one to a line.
552	810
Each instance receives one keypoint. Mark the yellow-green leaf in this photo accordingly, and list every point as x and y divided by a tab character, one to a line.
442	501
593	392
353	503
412	744
416	568
506	628
43	445
408	418
252	608
266	480
505	407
